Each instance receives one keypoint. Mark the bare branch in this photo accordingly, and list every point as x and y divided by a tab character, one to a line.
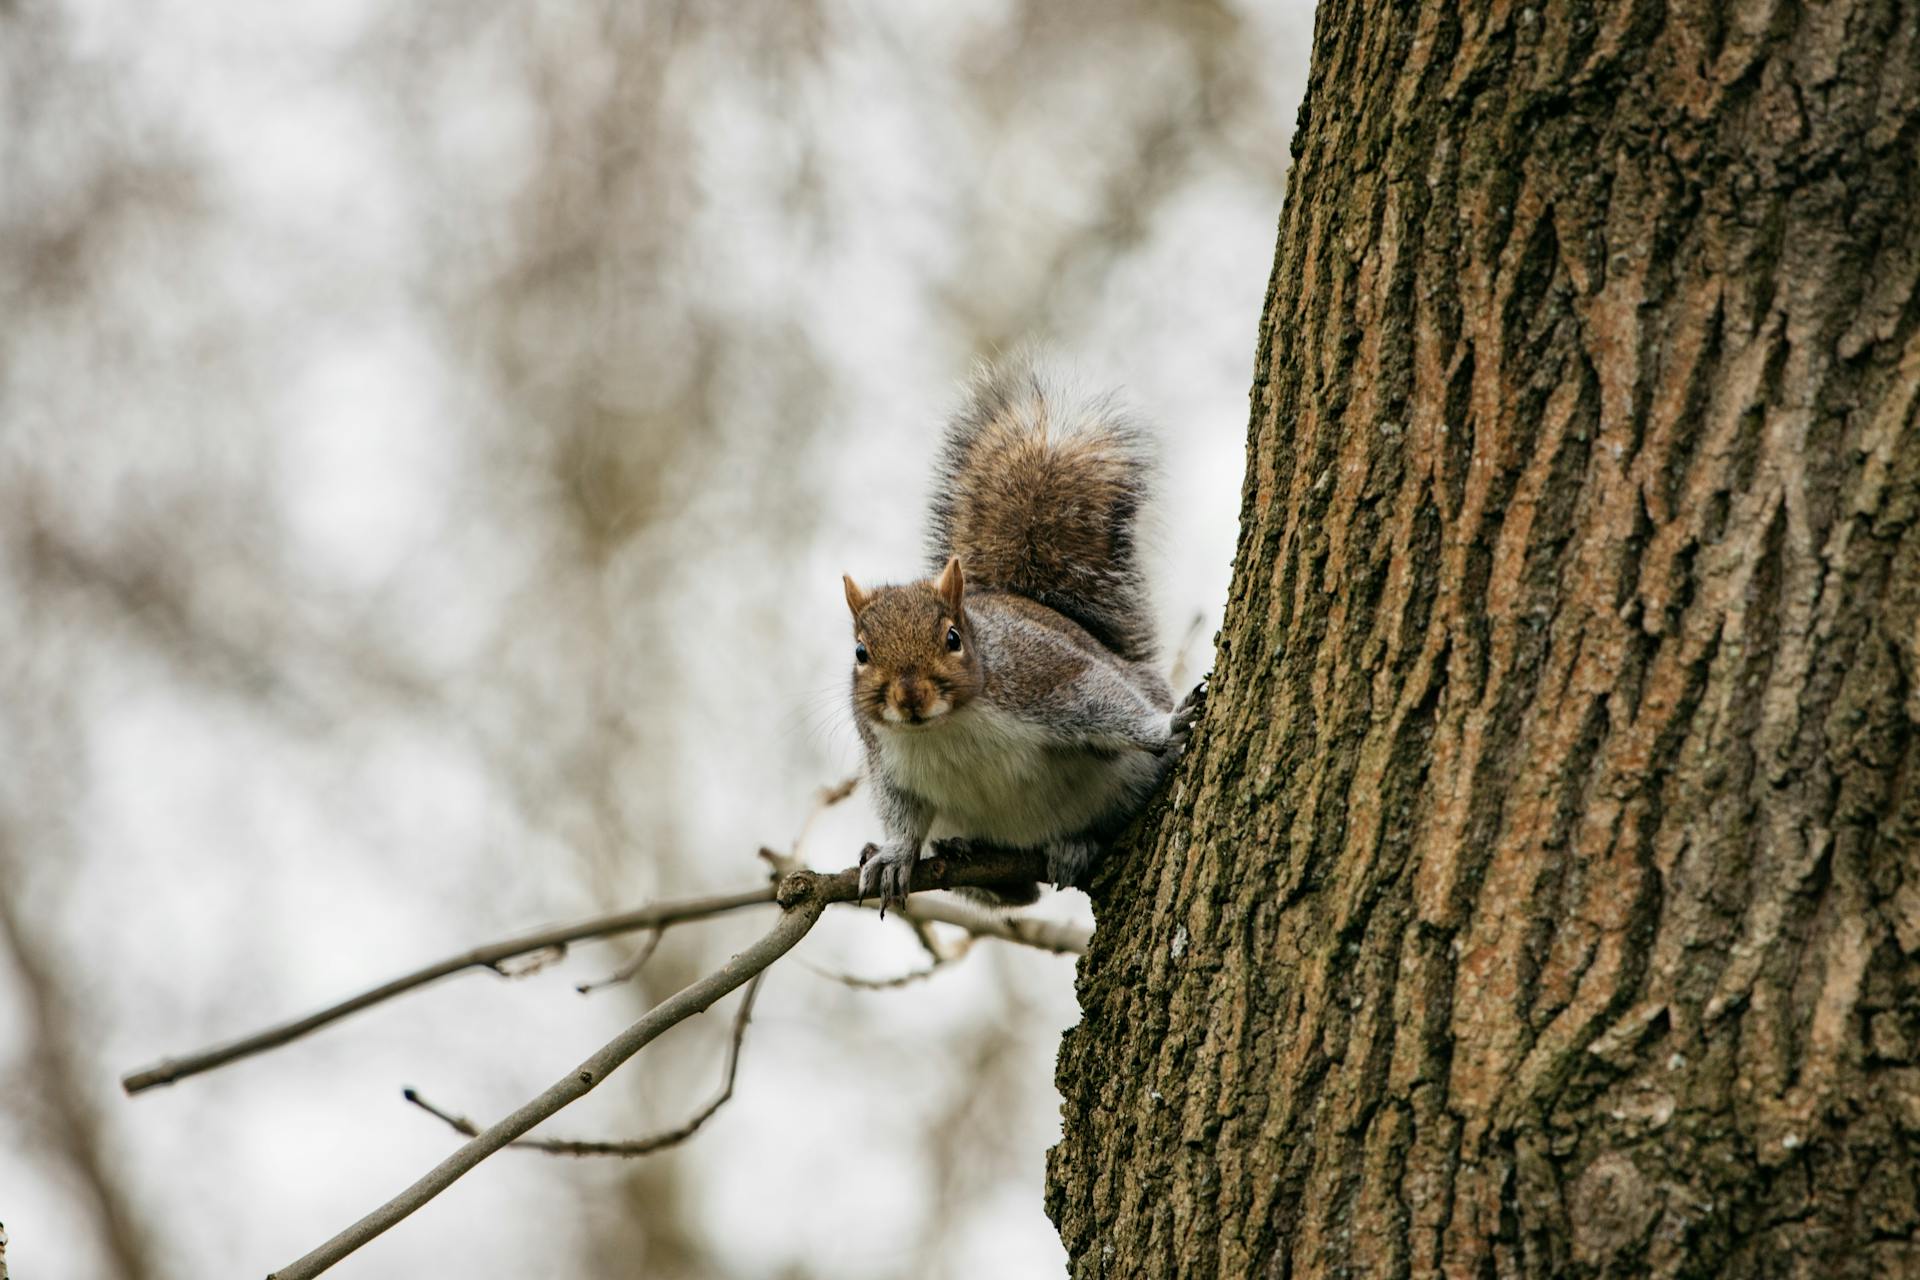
932	873
803	897
71	1136
793	926
1044	935
831	796
979	866
490	956
625	972
921	914
634	1146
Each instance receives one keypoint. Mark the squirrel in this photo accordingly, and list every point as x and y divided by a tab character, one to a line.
1012	698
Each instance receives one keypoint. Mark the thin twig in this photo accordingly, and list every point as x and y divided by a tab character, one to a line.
1183	652
1043	934
792	927
648	945
633	1146
1057	936
490	956
906	979
795	859
825	800
929	939
922	913
803	897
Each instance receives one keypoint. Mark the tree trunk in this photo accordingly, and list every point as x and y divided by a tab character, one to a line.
1542	894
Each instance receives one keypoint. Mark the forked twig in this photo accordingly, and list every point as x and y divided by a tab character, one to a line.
634	1146
625	973
792	927
897	981
803	897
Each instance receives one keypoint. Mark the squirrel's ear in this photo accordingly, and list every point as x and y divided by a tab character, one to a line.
952	584
856	598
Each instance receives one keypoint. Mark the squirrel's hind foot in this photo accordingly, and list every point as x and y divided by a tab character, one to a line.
1003	896
1068	862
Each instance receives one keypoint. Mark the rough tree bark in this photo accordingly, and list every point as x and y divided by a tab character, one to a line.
1542	895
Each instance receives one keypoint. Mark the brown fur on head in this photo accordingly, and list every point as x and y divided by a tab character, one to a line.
919	659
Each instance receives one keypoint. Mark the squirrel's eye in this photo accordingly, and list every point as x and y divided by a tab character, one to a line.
860	654
953	639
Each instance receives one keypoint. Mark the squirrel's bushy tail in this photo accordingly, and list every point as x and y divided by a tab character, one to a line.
1039	492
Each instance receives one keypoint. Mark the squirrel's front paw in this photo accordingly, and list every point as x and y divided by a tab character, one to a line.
887	873
1185	716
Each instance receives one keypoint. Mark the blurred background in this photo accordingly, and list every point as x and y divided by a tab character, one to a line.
430	437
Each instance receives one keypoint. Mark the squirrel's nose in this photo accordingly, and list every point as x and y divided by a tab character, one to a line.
910	695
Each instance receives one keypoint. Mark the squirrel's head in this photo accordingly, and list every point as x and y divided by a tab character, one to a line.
913	653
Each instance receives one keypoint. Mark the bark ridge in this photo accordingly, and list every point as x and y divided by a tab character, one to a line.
1542	894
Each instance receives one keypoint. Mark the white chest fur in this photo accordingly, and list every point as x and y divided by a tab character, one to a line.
995	777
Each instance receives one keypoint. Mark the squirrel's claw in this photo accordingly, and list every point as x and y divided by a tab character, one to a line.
1185	716
887	874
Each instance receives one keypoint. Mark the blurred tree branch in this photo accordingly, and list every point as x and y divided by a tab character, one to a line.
71	1124
1043	935
803	896
600	364
493	956
794	925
